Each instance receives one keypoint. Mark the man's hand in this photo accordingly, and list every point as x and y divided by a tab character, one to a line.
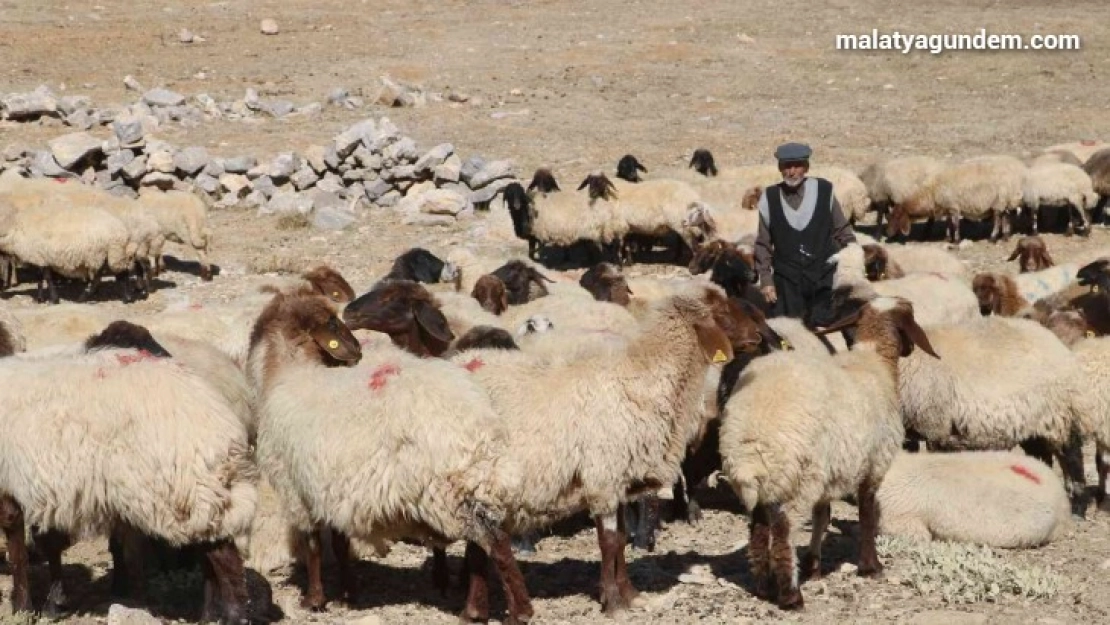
769	294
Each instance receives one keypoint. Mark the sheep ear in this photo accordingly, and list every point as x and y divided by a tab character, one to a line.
1014	255
335	346
641	167
714	342
846	322
433	322
909	326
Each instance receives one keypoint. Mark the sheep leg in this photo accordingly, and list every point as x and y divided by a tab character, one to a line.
125	281
441	577
313	598
759	551
11	519
869	564
1102	468
610	540
47	278
90	287
1039	448
628	592
645	519
341	547
512	580
1070	456
954	229
476	609
996	230
784	563
229	578
53	543
525	543
811	563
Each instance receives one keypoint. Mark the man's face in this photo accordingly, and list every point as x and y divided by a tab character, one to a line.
793	172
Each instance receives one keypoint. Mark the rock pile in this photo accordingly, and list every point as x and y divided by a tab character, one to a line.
370	164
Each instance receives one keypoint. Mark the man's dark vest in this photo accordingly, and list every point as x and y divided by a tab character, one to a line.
802	255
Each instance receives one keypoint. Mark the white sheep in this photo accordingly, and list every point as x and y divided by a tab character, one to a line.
886	262
995	498
183	219
1059	185
1082	150
893	181
986	187
389	446
160	451
834	433
1002	382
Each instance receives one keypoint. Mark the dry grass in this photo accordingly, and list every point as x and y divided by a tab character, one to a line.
293	221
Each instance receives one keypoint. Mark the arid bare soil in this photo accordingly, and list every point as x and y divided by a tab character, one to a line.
574	85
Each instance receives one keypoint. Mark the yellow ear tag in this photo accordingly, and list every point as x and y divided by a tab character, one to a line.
786	344
1090	334
1094	288
333	344
719	356
335	293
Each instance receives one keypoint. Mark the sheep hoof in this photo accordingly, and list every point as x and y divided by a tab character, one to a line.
873	571
791	599
811	567
56	600
314	604
473	615
762	589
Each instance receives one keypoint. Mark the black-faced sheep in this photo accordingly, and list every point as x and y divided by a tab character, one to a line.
420	265
629	168
523	282
702	162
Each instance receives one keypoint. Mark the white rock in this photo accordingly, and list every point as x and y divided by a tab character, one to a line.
69	150
70	104
132	84
436	202
163	97
206	183
402	150
120	615
488	192
287	202
185	36
349	139
303	178
235	185
435	157
493	170
135	169
160	161
118	160
280	108
333	218
269	27
191	160
314	155
29	105
159	180
449	170
239	164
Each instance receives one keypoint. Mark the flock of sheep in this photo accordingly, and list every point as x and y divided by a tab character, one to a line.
482	400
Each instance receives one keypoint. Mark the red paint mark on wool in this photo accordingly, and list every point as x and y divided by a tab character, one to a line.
474	365
380	376
61	180
1026	473
196	306
128	359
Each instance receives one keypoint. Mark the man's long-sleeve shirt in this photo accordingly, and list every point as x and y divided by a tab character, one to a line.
792	199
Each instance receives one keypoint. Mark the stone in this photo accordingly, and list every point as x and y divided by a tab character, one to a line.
389	199
43	164
368	160
303	178
401	151
208	184
191	160
490	191
215	168
254	199
239	164
493	170
29	105
269	27
470	167
375	190
435	157
160	180
401	172
325	199
387	132
356	190
440	202
80	120
449	170
185	36
333	183
70	104
265	185
70	150
160	161
132	84
392	94
285	165
118	160
163	97
315	155
424	219
333	218
251	99
235	185
14	153
135	169
288	202
309	110
129	131
331	157
349	139
120	615
354	102
280	108
357	174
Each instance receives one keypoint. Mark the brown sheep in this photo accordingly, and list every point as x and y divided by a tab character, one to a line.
878	264
523	282
483	337
1031	254
998	295
607	284
491	293
1098	168
330	283
407	312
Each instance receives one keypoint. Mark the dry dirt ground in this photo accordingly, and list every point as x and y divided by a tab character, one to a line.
593	80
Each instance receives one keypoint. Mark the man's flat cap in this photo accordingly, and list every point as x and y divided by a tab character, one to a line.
793	152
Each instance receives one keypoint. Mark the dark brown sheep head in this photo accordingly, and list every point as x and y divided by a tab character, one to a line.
607	284
997	295
522	282
126	335
707	255
308	322
889	324
739	331
598	186
543	181
702	161
751	198
491	293
898	221
407	312
485	337
875	261
1031	254
330	283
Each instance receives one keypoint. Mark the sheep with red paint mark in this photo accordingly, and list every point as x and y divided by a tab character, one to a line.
994	498
375	444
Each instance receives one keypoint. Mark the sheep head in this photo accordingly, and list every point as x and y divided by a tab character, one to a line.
407	312
521	209
485	337
1031	254
598	186
330	283
607	284
997	294
702	162
543	181
875	261
523	282
723	328
889	324
628	168
491	293
706	256
536	324
420	265
751	197
1095	275
309	324
126	335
